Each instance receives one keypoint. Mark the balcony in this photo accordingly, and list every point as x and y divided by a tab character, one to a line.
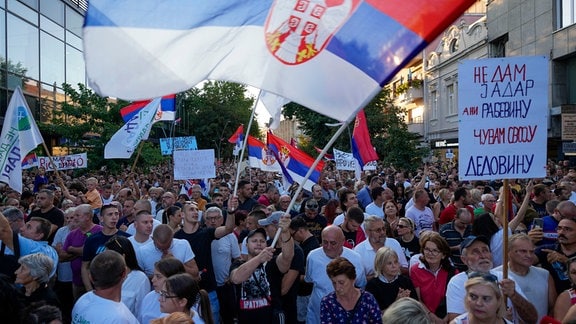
416	127
411	95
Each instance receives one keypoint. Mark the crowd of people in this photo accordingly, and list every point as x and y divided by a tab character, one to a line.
393	246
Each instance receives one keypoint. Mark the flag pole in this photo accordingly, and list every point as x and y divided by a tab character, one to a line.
505	200
313	168
244	142
51	159
140	145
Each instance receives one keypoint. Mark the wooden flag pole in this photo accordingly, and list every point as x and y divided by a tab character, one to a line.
506	199
51	160
138	155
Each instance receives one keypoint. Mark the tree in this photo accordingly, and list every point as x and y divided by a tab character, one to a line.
395	145
87	122
215	111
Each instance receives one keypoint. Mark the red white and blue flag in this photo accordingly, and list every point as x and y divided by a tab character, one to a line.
30	161
238	139
362	148
167	110
261	157
296	162
330	56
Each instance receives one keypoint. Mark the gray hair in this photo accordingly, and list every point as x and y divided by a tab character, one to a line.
406	310
213	209
40	266
13	213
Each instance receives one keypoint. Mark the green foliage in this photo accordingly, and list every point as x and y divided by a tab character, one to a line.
395	145
416	83
215	111
88	121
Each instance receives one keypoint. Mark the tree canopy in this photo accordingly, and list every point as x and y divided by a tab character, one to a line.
395	145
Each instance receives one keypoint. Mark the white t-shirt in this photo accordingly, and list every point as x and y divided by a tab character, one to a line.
456	293
134	288
91	308
137	245
132	230
148	254
423	219
368	254
223	251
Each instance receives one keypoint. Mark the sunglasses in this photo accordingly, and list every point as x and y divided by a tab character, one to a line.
486	276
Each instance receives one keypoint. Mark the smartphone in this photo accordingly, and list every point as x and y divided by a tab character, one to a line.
538	223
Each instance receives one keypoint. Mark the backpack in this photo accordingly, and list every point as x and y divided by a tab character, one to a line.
9	263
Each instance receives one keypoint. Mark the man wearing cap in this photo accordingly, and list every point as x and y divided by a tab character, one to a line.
291	279
261	275
332	247
314	221
475	253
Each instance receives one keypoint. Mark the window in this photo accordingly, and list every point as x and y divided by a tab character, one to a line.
74	21
434	105
454	45
53	9
451	98
75	72
498	46
51	60
23	46
566	13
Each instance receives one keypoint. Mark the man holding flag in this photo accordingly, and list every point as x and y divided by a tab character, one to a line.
20	135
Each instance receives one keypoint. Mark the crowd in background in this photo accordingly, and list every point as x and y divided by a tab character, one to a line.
422	244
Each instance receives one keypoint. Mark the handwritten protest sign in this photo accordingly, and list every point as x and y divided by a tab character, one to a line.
167	145
344	160
503	116
194	164
64	162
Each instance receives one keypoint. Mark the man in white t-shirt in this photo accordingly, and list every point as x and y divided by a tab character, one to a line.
143	225
103	304
476	255
376	231
420	213
164	244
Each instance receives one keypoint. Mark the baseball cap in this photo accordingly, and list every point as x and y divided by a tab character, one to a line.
471	239
274	218
256	231
312	204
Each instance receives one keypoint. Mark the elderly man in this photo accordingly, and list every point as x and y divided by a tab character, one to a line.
455	232
488	204
475	251
376	230
332	247
520	258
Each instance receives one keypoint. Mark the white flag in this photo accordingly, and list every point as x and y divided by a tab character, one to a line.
273	103
126	139
20	135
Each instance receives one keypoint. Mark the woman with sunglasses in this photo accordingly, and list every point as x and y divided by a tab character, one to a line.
136	285
432	274
180	293
484	301
409	242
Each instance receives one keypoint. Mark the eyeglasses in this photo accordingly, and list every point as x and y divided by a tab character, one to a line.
164	295
378	230
211	218
431	251
486	276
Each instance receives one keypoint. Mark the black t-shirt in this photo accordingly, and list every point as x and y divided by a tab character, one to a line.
315	225
54	215
201	244
410	248
94	244
254	296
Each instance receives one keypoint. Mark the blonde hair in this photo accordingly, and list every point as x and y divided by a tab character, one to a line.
382	256
488	283
406	310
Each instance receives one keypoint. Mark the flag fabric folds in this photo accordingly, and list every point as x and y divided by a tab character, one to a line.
327	156
296	162
332	58
126	139
237	138
273	104
261	157
167	111
20	135
30	161
362	148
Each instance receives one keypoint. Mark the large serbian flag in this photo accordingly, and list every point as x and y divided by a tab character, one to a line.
295	162
331	56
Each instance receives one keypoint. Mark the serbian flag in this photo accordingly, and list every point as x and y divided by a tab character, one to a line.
330	56
327	156
238	138
166	112
362	148
30	161
261	157
296	162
